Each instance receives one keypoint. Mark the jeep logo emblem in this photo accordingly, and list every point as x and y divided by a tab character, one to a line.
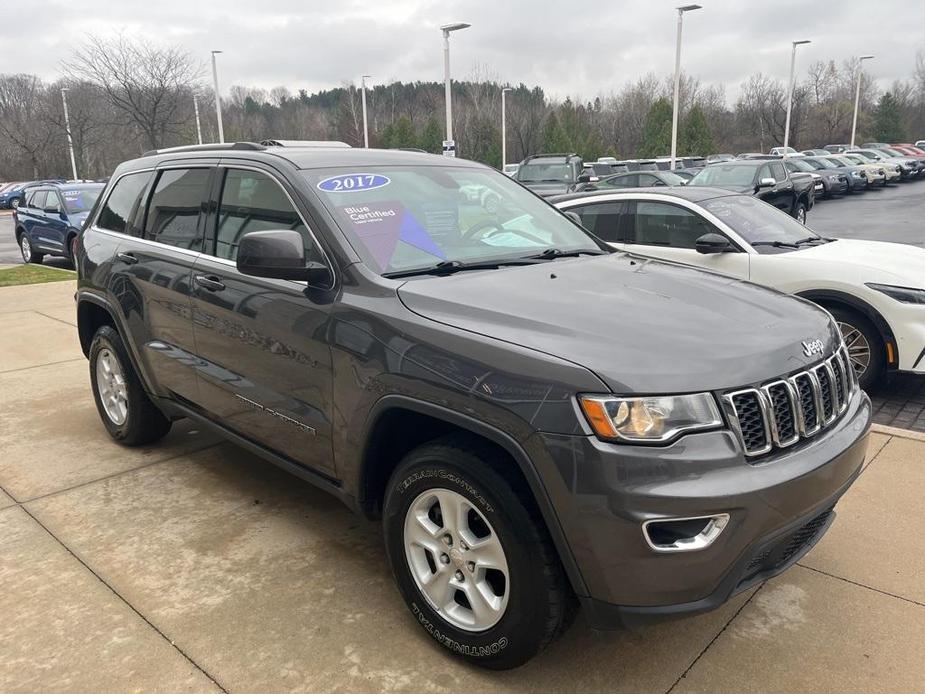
811	347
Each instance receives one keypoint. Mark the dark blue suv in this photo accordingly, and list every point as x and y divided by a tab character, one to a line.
49	217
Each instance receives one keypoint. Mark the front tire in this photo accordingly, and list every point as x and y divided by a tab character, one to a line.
125	409
799	213
865	347
471	556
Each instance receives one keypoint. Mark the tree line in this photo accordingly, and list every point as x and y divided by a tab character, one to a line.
126	96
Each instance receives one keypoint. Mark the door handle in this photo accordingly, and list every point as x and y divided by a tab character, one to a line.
211	282
127	258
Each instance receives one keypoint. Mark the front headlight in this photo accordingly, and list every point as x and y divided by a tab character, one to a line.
649	419
906	295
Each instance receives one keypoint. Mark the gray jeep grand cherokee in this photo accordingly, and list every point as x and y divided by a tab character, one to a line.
539	422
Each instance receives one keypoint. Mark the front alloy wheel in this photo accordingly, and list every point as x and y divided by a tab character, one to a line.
456	560
858	348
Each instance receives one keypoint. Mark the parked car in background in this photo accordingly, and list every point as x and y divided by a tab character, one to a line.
916	161
837	149
816	152
873	173
536	422
719	157
636	180
920	144
640	164
894	172
552	174
829	182
50	217
766	180
754	155
908	167
12	195
785	152
855	180
909	149
688	174
875	290
511	169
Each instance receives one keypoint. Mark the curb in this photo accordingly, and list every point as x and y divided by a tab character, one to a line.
896	431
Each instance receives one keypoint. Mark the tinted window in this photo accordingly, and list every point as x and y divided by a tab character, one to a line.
627	181
649	180
661	224
36	200
765	172
52	203
252	201
777	170
173	213
602	219
124	209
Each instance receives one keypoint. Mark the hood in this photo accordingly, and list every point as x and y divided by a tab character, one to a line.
883	262
643	326
548	189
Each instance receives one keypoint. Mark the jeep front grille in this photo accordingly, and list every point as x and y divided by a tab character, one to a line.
780	413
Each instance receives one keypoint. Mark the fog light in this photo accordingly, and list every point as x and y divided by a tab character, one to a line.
684	534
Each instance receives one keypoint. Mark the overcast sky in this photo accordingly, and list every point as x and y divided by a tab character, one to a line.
569	47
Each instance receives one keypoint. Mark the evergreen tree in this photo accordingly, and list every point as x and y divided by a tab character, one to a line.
695	137
554	137
399	134
432	137
888	120
656	133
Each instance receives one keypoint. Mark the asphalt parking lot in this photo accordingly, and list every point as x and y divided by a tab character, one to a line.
194	566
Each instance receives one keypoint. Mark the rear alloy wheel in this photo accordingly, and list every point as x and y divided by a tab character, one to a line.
25	248
14	203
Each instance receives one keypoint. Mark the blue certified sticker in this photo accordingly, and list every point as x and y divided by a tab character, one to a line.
351	183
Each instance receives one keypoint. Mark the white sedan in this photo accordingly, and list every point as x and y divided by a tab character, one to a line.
875	290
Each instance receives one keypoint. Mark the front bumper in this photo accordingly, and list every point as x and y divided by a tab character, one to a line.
603	493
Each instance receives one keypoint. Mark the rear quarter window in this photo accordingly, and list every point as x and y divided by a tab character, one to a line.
124	208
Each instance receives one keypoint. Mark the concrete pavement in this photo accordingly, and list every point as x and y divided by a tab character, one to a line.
194	566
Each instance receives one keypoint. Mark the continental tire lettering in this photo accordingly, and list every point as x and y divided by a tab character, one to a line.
448	477
493	648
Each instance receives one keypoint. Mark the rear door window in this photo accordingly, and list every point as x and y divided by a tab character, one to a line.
52	202
663	224
176	206
125	207
36	200
602	219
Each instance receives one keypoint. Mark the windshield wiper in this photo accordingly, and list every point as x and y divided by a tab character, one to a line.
811	239
448	267
551	253
775	244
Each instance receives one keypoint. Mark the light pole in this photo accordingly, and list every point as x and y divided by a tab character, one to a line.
67	128
504	91
218	100
198	126
446	29
677	83
793	59
857	96
365	127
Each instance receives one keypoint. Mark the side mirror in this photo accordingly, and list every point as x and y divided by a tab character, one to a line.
51	210
767	183
279	254
584	177
712	243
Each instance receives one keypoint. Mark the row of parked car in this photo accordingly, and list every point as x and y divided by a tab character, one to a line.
784	177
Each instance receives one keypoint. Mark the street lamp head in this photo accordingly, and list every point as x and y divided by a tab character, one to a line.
800	43
507	89
866	57
216	52
689	8
454	26
65	89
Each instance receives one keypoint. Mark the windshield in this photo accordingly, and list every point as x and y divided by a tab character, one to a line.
822	163
77	200
545	173
672	179
724	175
855	159
408	217
801	165
757	221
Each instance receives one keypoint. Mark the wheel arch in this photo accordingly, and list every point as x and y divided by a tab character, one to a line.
835	298
411	422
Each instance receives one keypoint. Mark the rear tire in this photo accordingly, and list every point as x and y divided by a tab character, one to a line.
25	250
863	341
525	606
799	213
125	409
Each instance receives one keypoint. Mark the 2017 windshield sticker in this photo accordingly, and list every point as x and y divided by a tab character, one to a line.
352	183
381	225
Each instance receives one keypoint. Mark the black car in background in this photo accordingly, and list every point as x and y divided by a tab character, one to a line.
854	176
766	179
833	182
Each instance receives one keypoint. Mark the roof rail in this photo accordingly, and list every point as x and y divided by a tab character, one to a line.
212	146
323	144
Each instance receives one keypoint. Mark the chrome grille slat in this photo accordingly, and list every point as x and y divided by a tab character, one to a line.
780	413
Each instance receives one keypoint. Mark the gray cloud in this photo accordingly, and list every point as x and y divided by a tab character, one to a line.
569	48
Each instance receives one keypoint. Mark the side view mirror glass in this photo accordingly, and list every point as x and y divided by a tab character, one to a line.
712	243
584	178
279	254
766	182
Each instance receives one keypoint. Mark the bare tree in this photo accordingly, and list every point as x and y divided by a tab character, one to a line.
22	118
147	84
